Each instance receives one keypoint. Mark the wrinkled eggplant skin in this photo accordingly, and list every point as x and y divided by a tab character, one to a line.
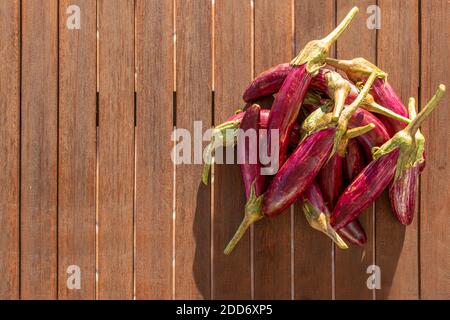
251	172
354	233
403	194
298	172
354	161
365	189
267	83
384	94
375	137
330	180
286	107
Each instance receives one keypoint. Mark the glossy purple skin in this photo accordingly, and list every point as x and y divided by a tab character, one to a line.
403	194
365	189
384	94
286	107
354	233
330	180
298	172
251	172
294	138
354	161
313	194
375	137
267	83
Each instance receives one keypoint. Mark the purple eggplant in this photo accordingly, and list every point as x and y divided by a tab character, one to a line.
390	162
250	168
289	99
403	191
317	213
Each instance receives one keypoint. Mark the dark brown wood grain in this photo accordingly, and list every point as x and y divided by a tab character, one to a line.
9	148
272	237
313	250
154	168
39	93
396	245
351	264
77	150
116	149
233	72
193	103
435	195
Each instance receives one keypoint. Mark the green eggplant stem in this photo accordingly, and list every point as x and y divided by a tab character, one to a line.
415	124
356	132
316	51
253	213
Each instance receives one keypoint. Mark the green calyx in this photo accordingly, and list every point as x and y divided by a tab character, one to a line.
253	213
223	135
320	221
344	118
357	69
318	119
409	140
315	52
338	89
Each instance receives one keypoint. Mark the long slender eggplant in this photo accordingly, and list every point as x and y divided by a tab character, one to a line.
295	175
403	191
225	134
317	213
389	162
248	156
326	81
330	180
354	161
357	70
267	82
289	99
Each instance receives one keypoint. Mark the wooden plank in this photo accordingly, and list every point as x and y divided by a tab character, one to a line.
435	195
193	203
313	250
9	148
39	150
398	55
154	169
272	237
351	265
77	149
233	72
116	149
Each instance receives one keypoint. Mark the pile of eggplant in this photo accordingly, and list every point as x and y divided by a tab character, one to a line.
343	136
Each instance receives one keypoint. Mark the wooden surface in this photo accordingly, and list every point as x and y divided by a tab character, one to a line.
435	195
313	251
9	148
154	169
193	103
115	150
39	150
351	265
77	151
232	71
397	246
273	238
86	174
